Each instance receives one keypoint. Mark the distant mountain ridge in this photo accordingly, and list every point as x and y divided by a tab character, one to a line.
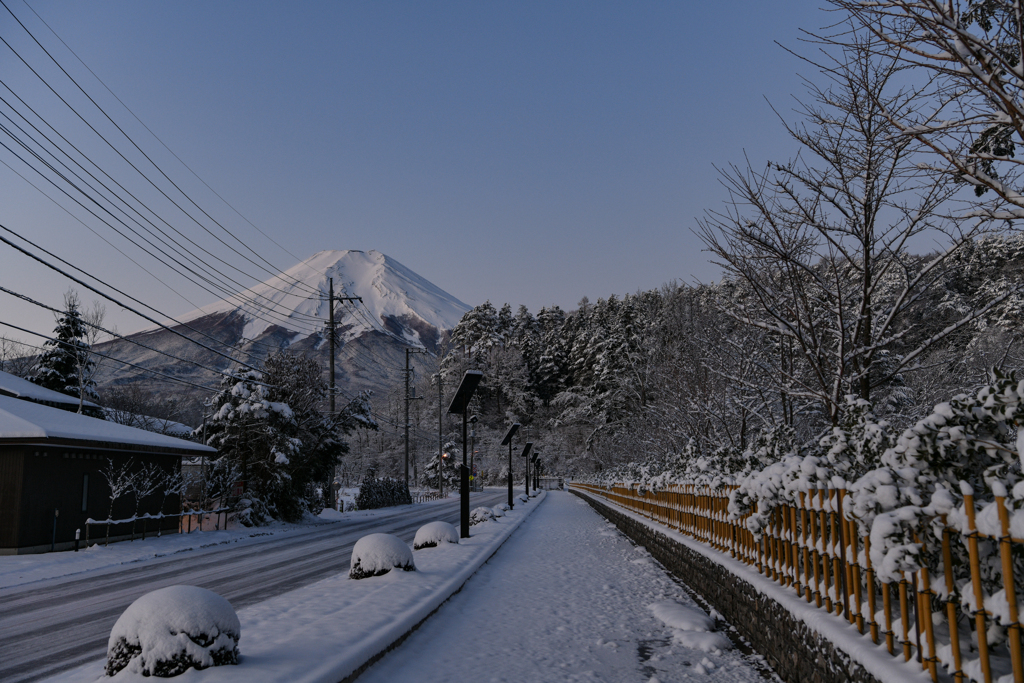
289	311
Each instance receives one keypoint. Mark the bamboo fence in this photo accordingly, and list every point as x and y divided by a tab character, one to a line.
812	549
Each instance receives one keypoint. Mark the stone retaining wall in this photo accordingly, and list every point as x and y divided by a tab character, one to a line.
795	652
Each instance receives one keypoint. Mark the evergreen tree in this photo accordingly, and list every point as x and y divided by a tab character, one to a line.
66	365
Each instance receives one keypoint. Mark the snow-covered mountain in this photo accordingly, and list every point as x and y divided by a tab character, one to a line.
290	311
393	298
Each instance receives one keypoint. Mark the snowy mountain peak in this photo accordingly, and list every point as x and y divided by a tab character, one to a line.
394	298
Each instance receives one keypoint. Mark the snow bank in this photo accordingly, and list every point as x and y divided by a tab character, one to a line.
432	534
170	630
326	631
480	515
378	554
690	626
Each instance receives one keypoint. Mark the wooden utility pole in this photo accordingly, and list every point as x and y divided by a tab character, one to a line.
332	336
408	398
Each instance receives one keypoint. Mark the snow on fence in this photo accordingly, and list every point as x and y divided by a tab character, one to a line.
426	496
143	518
811	548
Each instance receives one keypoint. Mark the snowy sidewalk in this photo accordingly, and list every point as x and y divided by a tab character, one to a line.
567	598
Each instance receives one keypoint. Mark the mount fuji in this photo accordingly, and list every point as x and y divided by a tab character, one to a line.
396	308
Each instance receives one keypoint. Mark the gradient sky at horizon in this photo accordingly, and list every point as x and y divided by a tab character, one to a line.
529	152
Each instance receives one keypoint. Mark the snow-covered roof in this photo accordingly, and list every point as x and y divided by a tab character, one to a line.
24	420
149	423
12	385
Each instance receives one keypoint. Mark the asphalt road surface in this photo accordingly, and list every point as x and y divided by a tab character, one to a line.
53	625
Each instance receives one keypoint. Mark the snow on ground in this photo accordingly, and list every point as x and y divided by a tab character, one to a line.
323	632
16	570
567	598
874	658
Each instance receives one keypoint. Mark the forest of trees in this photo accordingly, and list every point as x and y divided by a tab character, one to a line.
877	271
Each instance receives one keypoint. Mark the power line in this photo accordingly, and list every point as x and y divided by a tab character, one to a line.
157	138
130	140
101	355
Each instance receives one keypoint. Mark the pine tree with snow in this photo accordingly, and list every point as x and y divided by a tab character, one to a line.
66	365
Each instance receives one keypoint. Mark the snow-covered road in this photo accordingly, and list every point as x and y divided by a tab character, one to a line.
56	624
567	598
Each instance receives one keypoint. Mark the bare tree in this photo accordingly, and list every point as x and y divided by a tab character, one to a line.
16	358
120	481
818	245
145	482
973	117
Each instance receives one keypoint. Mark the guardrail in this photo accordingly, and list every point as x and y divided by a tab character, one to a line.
814	550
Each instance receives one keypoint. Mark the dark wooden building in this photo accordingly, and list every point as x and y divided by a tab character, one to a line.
50	474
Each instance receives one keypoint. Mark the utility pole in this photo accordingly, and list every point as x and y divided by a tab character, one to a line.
330	328
331	334
408	373
440	437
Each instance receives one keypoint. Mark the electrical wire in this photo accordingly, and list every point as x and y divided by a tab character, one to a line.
101	355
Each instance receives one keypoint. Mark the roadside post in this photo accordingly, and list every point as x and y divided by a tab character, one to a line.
507	441
460	404
526	454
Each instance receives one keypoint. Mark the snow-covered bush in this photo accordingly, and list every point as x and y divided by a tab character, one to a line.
381	493
497	511
170	630
378	554
523	498
433	534
479	515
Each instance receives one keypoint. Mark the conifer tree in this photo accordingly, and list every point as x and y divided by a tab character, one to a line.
66	365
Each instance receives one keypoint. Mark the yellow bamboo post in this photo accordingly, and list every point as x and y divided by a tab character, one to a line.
869	581
905	617
979	594
844	535
1013	640
794	540
925	598
826	559
784	536
857	594
890	636
837	568
951	607
807	551
816	556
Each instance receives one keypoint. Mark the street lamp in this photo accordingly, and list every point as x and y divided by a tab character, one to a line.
507	441
460	404
440	472
472	453
526	454
536	473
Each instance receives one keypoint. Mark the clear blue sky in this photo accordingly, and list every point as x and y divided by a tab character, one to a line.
529	152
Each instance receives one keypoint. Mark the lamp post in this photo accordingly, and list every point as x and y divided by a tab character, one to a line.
472	452
460	404
526	454
535	477
507	441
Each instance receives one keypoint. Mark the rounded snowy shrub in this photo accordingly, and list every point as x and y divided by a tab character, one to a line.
524	498
435	533
480	515
502	506
378	554
170	630
497	511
